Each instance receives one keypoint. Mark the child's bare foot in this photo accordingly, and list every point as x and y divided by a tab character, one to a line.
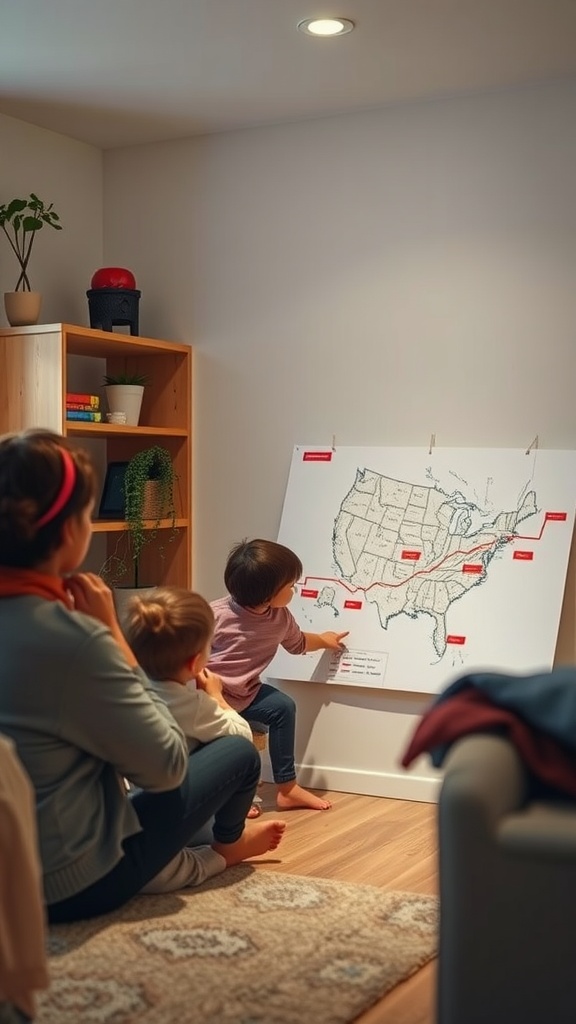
291	795
255	811
257	838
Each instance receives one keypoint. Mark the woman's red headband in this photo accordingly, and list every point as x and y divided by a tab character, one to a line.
66	488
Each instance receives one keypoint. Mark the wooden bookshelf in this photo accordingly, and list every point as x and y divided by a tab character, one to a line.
40	364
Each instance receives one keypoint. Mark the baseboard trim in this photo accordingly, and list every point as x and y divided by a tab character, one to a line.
342	780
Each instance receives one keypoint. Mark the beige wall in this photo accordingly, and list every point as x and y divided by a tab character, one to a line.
69	174
378	277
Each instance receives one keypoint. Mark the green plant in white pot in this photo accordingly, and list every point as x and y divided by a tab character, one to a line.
149	491
124	393
21	220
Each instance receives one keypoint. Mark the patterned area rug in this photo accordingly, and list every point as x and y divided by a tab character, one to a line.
247	947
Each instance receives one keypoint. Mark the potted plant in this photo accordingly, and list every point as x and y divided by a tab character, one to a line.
149	486
124	392
21	220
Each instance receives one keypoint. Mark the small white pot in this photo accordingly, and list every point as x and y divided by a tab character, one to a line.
126	398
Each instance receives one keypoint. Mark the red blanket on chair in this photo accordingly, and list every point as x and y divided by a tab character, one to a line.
470	711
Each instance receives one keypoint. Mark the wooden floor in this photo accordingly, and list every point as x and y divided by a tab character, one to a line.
370	841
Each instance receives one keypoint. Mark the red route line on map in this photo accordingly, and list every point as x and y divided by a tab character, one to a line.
424	572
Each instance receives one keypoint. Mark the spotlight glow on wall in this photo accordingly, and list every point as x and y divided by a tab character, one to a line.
326	26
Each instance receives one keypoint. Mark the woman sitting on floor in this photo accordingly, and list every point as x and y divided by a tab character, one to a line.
83	715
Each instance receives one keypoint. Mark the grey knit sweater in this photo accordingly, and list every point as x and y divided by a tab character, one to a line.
81	719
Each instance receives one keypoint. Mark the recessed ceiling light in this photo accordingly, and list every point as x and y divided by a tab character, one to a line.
326	26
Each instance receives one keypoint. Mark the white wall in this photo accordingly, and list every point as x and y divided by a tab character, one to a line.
377	277
69	174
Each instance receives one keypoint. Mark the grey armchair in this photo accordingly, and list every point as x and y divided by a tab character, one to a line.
507	952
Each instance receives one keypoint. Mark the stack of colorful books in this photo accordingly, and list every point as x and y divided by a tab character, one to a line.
83	407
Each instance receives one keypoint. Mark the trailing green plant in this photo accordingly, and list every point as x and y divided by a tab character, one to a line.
21	220
156	464
116	567
138	379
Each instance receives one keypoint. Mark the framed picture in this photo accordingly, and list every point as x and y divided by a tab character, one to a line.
113	501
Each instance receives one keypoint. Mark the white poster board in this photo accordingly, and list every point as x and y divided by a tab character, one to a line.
438	562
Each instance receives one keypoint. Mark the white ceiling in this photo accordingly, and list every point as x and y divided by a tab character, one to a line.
119	72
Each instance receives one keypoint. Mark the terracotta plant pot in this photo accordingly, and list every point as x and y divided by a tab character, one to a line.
22	308
155	502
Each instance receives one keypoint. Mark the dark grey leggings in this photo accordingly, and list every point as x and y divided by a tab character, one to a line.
278	711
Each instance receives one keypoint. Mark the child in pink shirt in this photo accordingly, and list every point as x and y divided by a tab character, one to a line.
250	624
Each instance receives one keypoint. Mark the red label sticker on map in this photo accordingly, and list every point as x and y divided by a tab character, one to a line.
356	605
472	567
317	457
453	639
411	556
523	556
560	517
308	593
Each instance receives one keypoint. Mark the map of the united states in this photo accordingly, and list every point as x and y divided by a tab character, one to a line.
433	561
416	549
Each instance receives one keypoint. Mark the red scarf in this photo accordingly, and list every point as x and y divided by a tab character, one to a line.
15	582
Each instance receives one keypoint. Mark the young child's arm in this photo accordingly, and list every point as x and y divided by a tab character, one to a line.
325	641
213	715
212	685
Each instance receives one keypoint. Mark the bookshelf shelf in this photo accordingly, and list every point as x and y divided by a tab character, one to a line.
118	525
79	429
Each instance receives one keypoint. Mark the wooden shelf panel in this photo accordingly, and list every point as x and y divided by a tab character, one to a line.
82	428
119	525
87	341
